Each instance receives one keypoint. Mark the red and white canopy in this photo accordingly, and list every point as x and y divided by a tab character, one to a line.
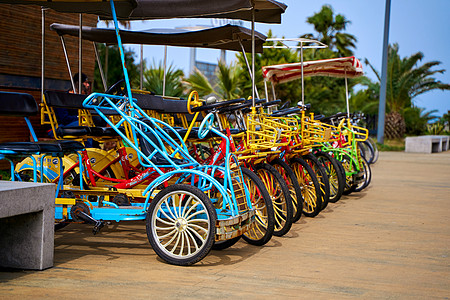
349	67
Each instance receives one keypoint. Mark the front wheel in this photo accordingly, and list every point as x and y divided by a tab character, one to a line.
281	199
180	224
322	177
310	187
264	223
294	188
367	176
335	176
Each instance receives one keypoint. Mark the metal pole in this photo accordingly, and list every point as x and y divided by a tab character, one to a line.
122	55
382	104
223	57
273	91
301	64
80	54
142	70
346	95
68	64
164	74
253	57
100	67
265	90
42	53
106	63
192	65
246	62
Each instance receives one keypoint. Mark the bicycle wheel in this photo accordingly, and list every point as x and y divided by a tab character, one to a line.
375	150
366	151
367	176
322	176
180	224
350	171
292	183
264	226
335	176
312	201
281	200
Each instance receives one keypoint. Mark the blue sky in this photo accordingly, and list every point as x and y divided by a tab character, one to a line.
416	25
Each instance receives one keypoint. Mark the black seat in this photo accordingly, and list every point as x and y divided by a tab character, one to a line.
75	101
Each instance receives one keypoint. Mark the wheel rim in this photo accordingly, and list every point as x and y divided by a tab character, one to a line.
277	197
180	224
291	188
348	167
261	218
332	176
308	190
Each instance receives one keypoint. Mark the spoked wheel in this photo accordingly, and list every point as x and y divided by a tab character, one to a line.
264	224
281	200
376	153
367	176
321	175
312	202
181	224
335	176
366	151
349	170
294	188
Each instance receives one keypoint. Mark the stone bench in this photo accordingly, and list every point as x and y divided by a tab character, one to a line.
27	217
427	143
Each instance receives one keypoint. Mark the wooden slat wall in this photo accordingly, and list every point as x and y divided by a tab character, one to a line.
20	55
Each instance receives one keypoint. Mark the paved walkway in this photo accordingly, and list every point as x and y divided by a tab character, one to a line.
390	241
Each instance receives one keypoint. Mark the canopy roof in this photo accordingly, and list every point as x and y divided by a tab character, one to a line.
266	11
349	67
224	37
96	7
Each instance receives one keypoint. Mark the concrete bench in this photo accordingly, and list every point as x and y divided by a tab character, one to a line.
427	143
27	217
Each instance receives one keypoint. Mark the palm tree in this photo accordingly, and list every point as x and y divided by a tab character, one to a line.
228	83
405	81
154	79
329	28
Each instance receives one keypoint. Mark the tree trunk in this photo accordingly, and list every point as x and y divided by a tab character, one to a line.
394	126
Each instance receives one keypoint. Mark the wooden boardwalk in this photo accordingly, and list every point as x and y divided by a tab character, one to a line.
390	241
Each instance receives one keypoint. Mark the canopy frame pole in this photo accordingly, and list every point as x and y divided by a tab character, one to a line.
141	78
253	57
265	90
43	9
303	79
346	94
246	61
164	70
122	55
80	53
100	67
63	43
273	91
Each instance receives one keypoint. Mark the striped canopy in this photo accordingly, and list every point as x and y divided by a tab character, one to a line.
349	67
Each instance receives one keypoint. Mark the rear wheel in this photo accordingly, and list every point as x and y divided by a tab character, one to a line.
322	176
335	176
350	171
310	187
292	183
181	224
264	223
367	176
279	193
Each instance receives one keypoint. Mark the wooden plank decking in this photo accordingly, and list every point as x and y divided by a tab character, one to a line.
390	241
